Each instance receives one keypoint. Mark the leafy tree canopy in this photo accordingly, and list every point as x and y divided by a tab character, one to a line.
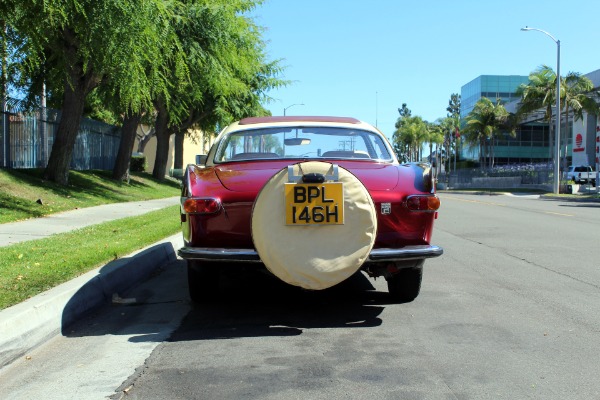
120	42
454	106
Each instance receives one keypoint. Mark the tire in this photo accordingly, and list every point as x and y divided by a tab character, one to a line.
203	281
405	285
313	257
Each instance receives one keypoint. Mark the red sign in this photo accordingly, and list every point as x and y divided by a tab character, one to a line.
598	152
578	143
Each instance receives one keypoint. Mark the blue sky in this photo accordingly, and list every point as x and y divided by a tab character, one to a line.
364	58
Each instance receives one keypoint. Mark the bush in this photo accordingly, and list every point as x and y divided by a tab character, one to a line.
138	163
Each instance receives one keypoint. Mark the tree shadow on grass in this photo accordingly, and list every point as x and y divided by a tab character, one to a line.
86	188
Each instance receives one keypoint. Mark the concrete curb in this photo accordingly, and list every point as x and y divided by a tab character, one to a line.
29	324
542	196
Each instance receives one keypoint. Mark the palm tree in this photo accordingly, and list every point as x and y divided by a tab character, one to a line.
484	123
421	128
575	95
449	126
411	132
436	136
539	93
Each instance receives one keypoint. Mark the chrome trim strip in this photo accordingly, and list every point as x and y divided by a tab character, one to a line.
250	255
406	253
218	254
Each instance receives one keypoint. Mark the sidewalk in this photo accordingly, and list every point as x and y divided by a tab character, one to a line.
38	228
29	324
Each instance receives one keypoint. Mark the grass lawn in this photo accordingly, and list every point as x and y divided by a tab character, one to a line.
29	268
20	190
494	190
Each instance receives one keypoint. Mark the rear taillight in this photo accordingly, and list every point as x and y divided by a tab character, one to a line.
424	203
195	205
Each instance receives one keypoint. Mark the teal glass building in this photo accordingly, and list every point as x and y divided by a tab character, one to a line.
503	87
531	143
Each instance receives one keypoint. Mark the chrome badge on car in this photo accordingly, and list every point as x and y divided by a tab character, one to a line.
386	208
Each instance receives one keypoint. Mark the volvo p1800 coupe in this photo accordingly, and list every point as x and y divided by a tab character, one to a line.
312	199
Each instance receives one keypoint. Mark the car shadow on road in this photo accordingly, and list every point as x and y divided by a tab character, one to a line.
250	303
581	205
257	304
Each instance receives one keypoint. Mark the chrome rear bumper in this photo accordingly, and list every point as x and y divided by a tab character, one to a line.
406	253
250	255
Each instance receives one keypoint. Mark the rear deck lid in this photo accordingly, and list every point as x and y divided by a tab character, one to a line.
252	176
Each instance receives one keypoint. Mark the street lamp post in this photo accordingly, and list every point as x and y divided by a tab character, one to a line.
556	180
295	104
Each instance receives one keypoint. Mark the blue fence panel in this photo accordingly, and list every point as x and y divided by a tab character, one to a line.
26	139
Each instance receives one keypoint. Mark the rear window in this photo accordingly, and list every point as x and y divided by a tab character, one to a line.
302	142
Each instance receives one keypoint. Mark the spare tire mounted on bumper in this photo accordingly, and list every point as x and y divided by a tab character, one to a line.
294	240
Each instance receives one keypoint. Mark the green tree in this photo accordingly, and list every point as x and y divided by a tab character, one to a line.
484	124
4	61
411	132
575	95
75	46
404	111
436	137
539	93
453	123
229	74
401	142
448	126
454	106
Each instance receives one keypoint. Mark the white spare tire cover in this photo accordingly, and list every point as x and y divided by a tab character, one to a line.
313	256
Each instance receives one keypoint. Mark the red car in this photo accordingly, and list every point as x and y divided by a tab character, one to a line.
314	200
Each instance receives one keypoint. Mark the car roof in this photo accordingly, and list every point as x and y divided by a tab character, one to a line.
302	118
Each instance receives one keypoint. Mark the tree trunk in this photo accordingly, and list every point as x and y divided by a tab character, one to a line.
162	156
438	158
481	156
143	141
162	141
128	131
552	133
447	162
430	151
59	161
178	157
492	152
4	56
78	83
565	135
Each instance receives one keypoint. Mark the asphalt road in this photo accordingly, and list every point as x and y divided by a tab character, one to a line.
510	311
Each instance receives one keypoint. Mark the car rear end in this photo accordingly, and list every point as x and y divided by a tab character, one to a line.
218	199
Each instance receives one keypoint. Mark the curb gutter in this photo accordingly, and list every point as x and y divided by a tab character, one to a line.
27	325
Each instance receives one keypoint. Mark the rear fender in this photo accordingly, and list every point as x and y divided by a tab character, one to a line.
423	176
199	182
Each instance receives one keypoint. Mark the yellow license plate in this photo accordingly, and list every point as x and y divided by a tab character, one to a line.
314	203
